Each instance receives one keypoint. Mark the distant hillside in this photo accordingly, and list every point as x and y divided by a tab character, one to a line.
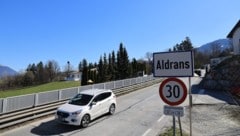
6	71
222	44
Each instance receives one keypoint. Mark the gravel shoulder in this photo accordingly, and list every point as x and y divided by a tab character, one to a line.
213	120
214	113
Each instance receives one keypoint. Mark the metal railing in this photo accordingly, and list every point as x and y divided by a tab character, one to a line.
18	117
11	104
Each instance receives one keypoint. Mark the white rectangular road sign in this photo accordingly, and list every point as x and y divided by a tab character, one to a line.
173	64
170	110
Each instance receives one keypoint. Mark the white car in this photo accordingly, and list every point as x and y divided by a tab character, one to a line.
86	106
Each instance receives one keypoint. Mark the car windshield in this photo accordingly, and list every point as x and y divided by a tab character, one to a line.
81	99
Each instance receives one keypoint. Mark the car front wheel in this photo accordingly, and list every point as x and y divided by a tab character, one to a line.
85	121
112	109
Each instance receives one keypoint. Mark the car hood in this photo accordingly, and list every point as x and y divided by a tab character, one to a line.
70	108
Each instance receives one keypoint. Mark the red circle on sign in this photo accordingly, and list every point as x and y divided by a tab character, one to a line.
167	101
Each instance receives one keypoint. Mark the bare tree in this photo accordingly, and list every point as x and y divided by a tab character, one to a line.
53	69
149	57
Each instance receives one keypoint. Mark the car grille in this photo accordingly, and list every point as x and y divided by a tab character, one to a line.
62	114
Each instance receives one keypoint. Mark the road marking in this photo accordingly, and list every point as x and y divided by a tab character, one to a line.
146	132
161	118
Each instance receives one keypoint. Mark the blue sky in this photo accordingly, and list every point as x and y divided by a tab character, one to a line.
70	30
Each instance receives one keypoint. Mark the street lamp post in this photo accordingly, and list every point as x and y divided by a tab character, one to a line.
68	62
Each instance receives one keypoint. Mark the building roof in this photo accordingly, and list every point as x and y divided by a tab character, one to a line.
230	35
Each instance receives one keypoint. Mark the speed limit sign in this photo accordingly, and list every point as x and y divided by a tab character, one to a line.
173	91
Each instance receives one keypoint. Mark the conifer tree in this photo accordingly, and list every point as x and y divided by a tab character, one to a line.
84	72
114	68
134	65
122	63
100	71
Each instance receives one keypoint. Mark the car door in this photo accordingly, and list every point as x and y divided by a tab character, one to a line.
96	106
106	99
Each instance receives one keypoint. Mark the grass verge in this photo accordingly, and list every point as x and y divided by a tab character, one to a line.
39	88
169	132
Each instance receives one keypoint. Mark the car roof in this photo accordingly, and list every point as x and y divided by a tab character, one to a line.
94	91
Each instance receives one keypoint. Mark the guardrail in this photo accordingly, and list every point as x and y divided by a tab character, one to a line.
18	117
16	103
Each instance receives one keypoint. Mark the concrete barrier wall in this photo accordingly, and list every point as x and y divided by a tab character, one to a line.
99	86
68	93
134	81
119	84
1	105
109	85
85	87
48	97
127	82
18	102
139	80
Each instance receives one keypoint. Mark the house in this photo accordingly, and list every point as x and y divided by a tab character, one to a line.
74	76
234	35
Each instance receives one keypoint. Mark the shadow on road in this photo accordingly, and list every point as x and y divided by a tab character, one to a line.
218	94
52	127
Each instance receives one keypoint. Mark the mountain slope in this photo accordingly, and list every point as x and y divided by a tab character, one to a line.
6	71
221	44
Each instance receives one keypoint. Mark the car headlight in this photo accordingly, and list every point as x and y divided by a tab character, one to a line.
76	112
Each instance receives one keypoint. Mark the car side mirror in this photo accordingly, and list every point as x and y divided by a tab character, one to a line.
94	103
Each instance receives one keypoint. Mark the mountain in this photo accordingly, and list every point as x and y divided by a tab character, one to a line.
6	71
222	44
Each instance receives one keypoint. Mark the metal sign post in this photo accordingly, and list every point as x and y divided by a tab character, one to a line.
180	126
190	105
174	126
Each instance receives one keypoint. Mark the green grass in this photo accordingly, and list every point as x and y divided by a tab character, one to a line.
39	88
169	132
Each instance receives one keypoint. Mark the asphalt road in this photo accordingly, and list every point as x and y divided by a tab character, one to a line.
139	113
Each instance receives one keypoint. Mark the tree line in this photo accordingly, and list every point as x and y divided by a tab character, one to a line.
115	66
34	74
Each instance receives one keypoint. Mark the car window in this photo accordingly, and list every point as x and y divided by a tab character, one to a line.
106	95
81	99
98	98
102	96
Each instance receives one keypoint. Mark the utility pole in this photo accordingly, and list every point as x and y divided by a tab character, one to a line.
68	72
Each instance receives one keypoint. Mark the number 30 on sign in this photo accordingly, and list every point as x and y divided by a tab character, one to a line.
173	91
